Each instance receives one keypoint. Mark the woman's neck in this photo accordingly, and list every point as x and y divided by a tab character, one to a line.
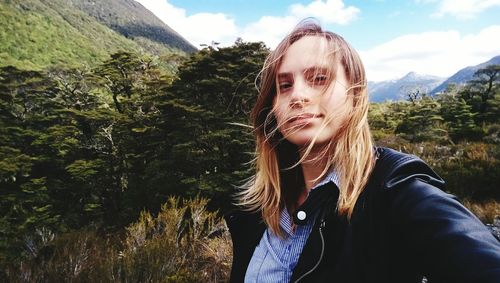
312	168
312	172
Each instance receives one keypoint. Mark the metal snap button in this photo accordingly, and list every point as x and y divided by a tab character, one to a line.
301	215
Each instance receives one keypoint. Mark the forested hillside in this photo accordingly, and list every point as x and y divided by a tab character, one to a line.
132	20
95	147
37	34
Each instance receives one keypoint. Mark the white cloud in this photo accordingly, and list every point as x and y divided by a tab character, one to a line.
461	9
200	28
269	29
207	27
329	11
272	29
440	53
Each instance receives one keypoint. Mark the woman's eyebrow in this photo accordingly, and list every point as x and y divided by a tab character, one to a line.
284	75
316	69
309	70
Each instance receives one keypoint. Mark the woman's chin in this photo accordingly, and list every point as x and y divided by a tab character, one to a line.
304	141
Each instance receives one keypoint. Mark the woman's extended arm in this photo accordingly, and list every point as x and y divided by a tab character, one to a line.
452	243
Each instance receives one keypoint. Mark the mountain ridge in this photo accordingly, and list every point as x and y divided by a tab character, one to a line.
38	34
131	19
464	75
396	89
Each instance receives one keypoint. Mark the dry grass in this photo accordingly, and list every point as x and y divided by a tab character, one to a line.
487	211
176	246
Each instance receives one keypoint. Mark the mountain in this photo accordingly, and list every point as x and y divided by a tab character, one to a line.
132	20
398	89
465	75
40	33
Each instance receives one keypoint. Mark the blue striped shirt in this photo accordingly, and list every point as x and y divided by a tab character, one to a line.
275	258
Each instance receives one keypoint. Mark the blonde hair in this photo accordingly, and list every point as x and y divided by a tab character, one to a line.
278	179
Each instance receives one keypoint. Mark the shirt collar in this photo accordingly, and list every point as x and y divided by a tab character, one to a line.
286	220
332	176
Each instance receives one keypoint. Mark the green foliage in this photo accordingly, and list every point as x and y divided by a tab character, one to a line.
460	118
27	105
492	115
384	118
214	93
37	34
95	146
481	93
13	163
422	121
456	133
84	170
66	155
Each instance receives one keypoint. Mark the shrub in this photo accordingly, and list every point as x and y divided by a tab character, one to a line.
487	211
183	243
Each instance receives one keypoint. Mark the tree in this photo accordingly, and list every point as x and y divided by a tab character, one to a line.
422	121
213	95
28	107
458	116
413	93
118	75
481	89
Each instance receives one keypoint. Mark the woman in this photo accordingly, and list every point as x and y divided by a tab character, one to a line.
324	204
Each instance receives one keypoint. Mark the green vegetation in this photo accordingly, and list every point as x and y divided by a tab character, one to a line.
130	19
88	156
457	133
37	34
95	147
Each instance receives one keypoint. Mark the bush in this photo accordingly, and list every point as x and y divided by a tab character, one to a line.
183	243
471	170
487	211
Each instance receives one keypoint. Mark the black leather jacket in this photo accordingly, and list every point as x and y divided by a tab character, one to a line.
404	228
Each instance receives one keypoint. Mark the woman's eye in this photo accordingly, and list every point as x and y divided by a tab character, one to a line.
283	86
319	79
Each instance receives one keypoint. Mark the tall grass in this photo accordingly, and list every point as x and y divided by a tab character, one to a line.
183	243
488	211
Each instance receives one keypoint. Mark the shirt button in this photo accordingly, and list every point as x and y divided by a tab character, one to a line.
301	215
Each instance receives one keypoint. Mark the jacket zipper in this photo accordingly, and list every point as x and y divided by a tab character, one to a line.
321	226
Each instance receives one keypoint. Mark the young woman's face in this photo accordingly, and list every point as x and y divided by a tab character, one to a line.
310	104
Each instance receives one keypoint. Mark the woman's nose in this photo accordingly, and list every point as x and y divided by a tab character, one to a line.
300	94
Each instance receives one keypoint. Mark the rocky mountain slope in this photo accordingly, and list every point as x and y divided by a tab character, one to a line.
398	89
465	74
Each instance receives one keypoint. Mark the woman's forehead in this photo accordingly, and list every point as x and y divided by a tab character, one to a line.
307	53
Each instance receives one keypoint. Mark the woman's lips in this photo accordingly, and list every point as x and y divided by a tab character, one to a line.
304	119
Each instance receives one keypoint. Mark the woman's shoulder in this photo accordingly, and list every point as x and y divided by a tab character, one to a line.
398	182
437	227
394	168
241	221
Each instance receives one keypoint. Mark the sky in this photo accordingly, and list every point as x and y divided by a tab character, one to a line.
431	37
